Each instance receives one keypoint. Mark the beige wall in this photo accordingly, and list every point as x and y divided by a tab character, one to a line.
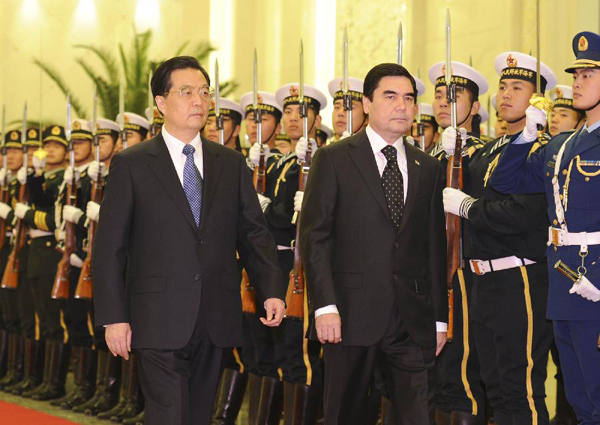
481	28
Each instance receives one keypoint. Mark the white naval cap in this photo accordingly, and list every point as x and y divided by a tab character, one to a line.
266	102
134	121
226	108
427	114
421	89
355	87
562	96
328	132
80	129
105	126
517	65
463	75
155	116
289	95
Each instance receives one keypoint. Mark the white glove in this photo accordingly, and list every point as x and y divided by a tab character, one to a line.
75	260
302	147
3	173
449	139
71	214
96	169
5	209
298	198
344	135
264	201
21	210
457	202
92	210
534	117
68	176
254	153
22	175
586	289
39	162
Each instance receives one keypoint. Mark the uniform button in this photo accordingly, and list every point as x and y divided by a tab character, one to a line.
560	196
587	179
197	277
199	241
396	277
547	173
564	172
396	245
555	222
48	243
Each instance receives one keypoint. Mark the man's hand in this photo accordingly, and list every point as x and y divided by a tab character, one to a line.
441	341
302	147
298	198
254	153
457	202
118	339
71	214
586	289
534	118
275	309
21	209
449	139
22	175
92	211
329	328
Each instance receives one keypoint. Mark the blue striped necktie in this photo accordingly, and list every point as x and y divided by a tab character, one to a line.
192	183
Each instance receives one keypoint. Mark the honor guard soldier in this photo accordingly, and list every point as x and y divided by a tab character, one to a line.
136	129
232	124
38	215
156	123
323	134
567	170
339	116
459	391
430	127
504	242
564	116
19	304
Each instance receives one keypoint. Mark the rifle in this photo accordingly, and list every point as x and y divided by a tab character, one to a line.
85	285
454	177
347	101
10	279
60	290
122	114
295	295
4	182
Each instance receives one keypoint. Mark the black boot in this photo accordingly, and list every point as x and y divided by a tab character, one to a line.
565	415
15	361
271	402
463	418
373	408
134	401
123	389
137	420
289	390
107	393
254	384
33	371
442	418
102	356
59	366
84	374
3	353
230	396
306	403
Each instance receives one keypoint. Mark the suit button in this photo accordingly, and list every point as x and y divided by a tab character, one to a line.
396	245
396	277
197	277
199	241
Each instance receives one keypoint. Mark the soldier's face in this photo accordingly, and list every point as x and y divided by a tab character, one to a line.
211	132
513	98
82	150
392	109
465	107
427	131
501	127
184	114
340	120
14	158
292	121
270	127
563	119
56	153
106	146
133	138
586	86
30	151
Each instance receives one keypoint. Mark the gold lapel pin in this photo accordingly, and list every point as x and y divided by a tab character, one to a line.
417	162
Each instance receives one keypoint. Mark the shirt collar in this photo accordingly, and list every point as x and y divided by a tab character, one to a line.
377	142
174	144
591	127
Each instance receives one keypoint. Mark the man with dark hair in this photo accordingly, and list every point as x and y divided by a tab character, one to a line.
166	281
232	124
373	246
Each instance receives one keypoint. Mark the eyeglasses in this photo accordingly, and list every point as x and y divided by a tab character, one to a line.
186	92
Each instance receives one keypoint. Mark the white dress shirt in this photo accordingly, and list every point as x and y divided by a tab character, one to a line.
175	147
377	144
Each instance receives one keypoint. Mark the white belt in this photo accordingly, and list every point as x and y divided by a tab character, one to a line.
37	233
283	248
560	237
482	267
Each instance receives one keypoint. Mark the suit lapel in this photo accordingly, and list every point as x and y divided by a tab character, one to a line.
414	173
362	155
212	172
163	168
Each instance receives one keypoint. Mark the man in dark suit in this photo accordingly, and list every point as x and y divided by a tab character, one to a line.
166	281
373	245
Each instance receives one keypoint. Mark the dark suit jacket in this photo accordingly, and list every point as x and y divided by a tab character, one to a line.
353	256
154	269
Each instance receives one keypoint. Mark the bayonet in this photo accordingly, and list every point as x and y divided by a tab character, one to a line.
4	158
256	106
302	100
94	127
24	135
150	100
68	136
218	115
122	114
420	127
450	87
346	88
399	45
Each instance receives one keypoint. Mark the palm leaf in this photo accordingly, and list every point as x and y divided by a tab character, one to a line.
109	101
107	59
182	48
62	85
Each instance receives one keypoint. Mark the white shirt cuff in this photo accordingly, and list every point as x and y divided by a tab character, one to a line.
441	327
328	309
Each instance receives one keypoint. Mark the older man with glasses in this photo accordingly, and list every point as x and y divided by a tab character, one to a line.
176	210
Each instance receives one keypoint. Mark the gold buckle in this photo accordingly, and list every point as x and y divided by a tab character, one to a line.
476	268
555	237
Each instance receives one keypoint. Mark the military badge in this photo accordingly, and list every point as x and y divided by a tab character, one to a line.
511	61
55	130
582	44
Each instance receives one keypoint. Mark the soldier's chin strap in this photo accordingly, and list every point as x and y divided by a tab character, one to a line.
465	120
592	107
517	120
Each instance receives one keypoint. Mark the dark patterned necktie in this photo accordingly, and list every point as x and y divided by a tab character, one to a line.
192	183
393	186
